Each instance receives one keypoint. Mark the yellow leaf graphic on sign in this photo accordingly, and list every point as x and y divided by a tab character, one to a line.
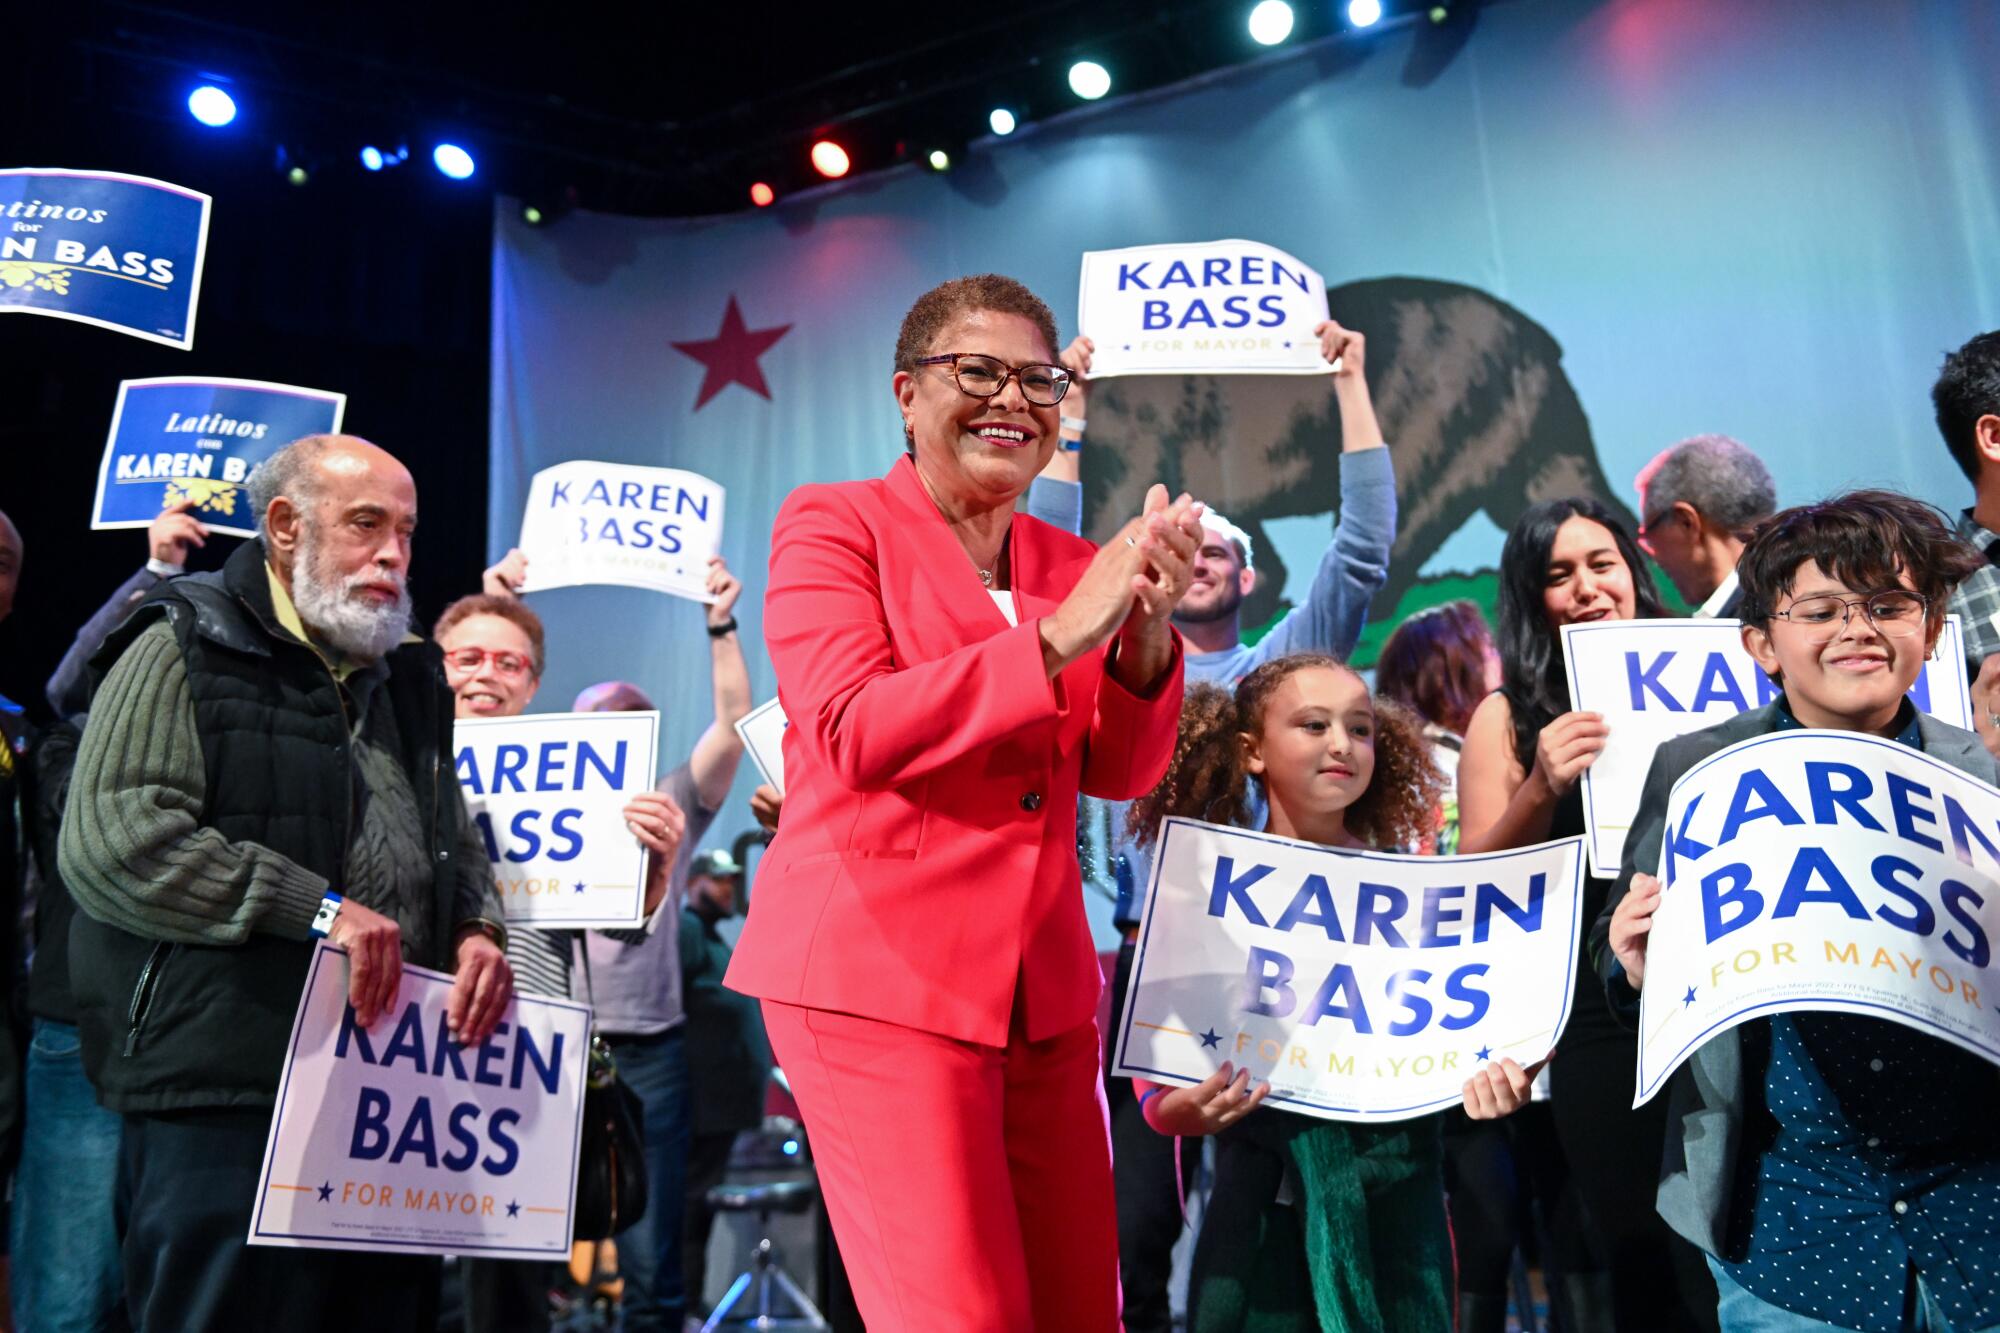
217	497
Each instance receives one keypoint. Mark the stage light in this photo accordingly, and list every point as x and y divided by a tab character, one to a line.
791	1147
298	175
453	161
372	159
1270	22
1439	13
939	160
762	195
1364	13
1089	80
1002	120
533	216
211	106
829	159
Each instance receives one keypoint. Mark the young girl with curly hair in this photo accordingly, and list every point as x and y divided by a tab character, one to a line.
1314	1226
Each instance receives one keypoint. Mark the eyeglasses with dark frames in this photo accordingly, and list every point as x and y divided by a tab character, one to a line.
1895	613
985	376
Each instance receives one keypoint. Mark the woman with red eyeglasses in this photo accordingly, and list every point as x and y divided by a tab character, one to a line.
493	661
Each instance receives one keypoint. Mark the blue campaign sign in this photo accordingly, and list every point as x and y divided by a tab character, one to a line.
121	252
195	441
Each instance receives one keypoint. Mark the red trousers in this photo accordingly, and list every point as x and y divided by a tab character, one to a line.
969	1186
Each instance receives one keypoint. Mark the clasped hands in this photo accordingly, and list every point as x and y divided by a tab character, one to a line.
1129	590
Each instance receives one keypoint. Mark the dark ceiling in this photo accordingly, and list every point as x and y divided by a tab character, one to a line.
669	109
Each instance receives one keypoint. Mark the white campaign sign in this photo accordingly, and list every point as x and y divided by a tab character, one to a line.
1828	871
1218	308
1654	680
639	527
548	792
1362	985
763	733
397	1139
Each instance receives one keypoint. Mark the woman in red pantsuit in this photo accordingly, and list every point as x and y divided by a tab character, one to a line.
955	672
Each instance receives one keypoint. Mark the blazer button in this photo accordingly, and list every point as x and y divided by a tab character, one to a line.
1031	800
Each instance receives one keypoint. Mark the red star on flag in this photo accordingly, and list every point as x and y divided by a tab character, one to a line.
730	357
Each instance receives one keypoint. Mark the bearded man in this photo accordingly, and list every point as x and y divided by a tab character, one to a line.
267	762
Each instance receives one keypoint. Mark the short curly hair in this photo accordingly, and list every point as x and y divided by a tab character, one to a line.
982	291
1207	780
507	608
1866	539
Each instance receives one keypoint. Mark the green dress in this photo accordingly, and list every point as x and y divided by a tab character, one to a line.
1360	1245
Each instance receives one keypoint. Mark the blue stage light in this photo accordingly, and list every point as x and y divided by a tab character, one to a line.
453	161
1364	13
1271	22
211	106
791	1147
371	158
1089	80
1002	120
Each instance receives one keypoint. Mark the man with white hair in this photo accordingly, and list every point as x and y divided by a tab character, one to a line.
1698	501
1209	617
267	762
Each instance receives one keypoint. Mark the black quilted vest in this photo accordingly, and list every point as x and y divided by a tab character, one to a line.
173	1026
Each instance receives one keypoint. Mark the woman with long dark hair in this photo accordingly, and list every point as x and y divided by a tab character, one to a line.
1567	562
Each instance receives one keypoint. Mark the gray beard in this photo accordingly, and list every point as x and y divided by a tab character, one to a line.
352	627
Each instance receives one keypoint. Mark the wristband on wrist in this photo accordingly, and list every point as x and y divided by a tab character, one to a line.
329	911
166	569
726	627
1071	445
1072	423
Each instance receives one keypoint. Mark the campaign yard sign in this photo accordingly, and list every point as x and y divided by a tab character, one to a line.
1363	986
1215	308
1828	871
99	247
640	527
548	792
763	732
397	1139
194	440
1654	680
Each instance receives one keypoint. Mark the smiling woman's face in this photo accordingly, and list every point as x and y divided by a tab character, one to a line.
1587	578
979	449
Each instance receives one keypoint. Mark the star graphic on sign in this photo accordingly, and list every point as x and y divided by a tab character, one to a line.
579	886
513	1209
1689	997
730	357
326	1191
1211	1038
1483	1053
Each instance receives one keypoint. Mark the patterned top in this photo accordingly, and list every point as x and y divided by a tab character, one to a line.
1873	1161
1977	600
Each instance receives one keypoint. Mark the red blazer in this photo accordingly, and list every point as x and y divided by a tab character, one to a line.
926	863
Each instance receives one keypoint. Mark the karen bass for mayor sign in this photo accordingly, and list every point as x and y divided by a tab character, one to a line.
1218	308
640	527
1361	985
195	441
1828	871
396	1138
121	252
1654	680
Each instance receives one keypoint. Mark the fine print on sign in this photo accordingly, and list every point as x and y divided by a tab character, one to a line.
397	1139
195	441
1217	308
638	527
1362	985
1654	680
1824	871
121	252
763	733
548	792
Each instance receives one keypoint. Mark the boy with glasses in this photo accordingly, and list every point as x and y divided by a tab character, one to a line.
1837	1169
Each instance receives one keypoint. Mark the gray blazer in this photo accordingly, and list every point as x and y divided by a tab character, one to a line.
1699	1169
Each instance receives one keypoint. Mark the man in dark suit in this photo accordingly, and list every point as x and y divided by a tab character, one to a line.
1698	501
1838	1170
